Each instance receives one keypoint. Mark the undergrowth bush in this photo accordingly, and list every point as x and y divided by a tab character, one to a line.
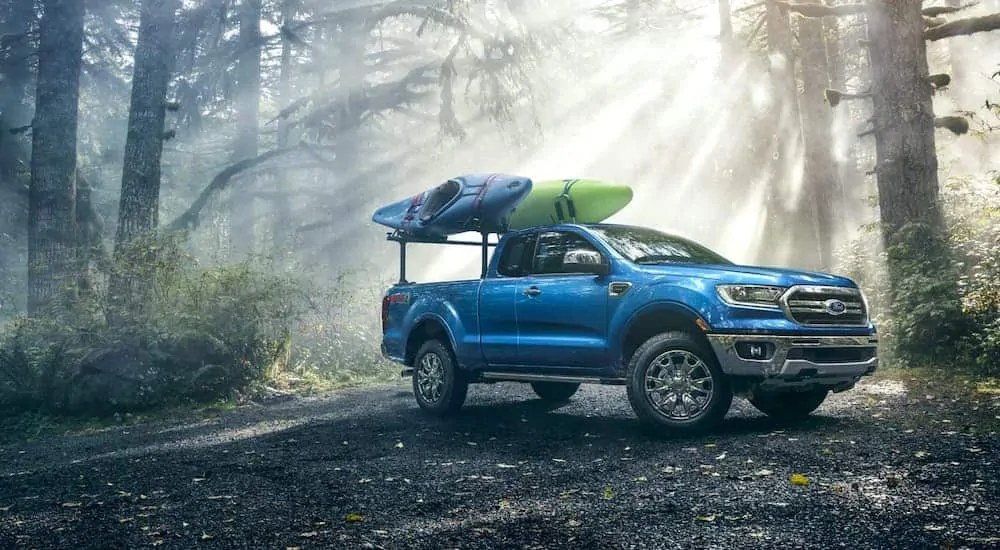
185	332
971	336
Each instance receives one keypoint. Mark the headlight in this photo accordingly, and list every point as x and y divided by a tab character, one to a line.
750	295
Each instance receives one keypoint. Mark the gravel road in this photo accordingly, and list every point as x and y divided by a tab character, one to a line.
884	467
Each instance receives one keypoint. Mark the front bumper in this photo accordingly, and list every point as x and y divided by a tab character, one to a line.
834	361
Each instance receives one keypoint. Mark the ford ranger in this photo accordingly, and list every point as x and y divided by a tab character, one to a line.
681	327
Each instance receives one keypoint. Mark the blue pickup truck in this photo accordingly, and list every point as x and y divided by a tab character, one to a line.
681	327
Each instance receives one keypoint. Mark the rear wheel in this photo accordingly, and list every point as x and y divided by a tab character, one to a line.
555	392
675	383
788	406
439	386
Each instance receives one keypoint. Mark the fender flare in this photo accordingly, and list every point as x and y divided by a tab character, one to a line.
670	306
429	316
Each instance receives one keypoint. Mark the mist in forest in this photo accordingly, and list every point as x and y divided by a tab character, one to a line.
393	98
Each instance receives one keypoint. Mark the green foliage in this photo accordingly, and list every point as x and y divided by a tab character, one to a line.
926	327
183	333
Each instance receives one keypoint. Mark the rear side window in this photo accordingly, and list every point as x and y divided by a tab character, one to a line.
516	258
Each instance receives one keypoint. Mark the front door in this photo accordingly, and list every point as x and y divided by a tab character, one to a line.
562	318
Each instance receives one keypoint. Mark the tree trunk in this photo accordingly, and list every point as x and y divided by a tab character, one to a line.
138	210
787	139
918	257
17	19
821	185
52	194
282	214
241	204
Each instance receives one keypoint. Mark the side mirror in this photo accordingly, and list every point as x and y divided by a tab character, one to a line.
585	261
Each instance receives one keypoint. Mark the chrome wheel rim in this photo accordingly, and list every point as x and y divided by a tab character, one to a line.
430	378
679	385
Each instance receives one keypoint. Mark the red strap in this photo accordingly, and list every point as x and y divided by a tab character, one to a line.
478	201
411	211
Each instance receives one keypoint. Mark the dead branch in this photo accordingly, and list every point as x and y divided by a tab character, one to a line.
834	97
191	218
819	10
934	11
961	27
957	124
756	29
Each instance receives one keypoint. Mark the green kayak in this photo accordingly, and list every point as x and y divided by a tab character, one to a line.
570	201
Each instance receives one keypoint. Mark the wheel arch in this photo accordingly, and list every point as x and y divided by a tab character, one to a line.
657	318
427	327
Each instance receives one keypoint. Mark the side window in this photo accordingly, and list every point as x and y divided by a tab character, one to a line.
552	248
516	258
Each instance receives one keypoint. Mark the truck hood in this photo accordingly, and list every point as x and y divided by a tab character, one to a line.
744	274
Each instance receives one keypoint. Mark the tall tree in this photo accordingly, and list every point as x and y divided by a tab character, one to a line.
822	193
241	214
924	294
138	210
786	136
52	192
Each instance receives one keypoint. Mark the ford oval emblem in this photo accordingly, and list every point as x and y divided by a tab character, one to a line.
835	307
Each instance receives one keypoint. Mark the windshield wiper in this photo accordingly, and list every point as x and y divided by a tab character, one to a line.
658	258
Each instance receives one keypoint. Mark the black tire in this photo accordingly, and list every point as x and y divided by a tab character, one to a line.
788	406
555	392
449	396
679	348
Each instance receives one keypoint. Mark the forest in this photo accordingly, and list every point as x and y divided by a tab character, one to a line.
186	187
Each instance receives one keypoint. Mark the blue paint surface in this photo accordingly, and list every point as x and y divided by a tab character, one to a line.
573	322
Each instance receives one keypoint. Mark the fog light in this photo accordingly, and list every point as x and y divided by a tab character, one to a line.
756	351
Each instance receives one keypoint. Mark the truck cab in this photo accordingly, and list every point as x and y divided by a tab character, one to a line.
683	328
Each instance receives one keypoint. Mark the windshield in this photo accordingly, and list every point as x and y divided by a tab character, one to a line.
648	246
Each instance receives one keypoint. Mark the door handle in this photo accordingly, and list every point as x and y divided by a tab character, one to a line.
532	291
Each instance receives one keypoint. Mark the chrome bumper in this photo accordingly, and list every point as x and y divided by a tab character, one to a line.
782	367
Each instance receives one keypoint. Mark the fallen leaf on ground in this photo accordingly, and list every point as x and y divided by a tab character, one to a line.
709	517
799	479
399	445
354	517
504	504
920	454
609	493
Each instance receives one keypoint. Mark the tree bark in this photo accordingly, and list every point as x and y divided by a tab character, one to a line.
282	214
241	212
52	192
822	194
139	205
17	20
918	258
787	138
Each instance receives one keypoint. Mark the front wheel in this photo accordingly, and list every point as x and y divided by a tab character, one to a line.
555	392
788	406
439	386
675	383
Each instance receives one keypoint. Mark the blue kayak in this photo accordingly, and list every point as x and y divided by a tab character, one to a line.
473	202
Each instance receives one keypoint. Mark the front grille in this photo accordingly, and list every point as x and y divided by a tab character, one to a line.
809	305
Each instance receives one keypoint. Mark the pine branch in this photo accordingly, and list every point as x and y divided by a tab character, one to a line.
191	218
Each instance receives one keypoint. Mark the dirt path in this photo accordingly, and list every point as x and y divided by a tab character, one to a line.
886	468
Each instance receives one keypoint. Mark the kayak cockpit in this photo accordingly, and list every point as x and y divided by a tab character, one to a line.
439	199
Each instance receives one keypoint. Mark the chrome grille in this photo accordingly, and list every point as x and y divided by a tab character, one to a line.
811	305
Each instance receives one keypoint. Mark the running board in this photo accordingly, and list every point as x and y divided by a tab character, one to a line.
528	377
